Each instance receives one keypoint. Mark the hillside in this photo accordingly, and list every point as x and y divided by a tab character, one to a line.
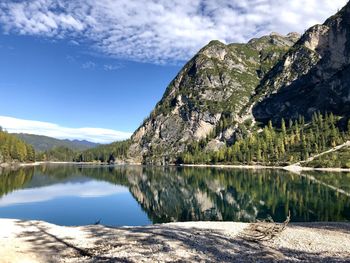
338	158
13	149
45	143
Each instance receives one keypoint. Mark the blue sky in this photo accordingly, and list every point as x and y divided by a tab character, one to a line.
58	82
104	64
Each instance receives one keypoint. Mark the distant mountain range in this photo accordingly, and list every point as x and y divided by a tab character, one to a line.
44	143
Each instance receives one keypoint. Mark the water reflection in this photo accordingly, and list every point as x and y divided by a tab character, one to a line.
69	189
189	194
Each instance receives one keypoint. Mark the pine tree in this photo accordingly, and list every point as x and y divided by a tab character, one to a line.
290	124
283	127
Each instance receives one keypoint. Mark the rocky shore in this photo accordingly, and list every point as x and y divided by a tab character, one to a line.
36	241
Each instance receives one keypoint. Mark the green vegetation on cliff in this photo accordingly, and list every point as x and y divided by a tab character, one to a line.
286	144
340	159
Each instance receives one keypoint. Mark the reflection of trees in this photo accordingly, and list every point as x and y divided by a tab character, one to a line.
11	180
242	195
181	194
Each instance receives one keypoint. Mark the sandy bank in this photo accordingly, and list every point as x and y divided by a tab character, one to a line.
257	167
298	169
34	241
49	162
291	168
75	163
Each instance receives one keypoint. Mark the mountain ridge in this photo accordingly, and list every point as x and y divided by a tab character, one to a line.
45	143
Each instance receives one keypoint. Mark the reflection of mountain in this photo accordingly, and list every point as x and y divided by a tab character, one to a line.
239	195
182	194
189	195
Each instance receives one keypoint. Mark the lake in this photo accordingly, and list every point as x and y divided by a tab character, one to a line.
136	195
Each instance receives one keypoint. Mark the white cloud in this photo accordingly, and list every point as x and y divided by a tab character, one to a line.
108	67
74	42
161	31
98	135
89	65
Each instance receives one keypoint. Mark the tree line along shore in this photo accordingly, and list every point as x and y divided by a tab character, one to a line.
287	143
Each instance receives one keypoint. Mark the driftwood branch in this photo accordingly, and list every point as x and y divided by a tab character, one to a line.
265	230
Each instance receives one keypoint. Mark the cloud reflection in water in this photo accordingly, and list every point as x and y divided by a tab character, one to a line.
46	193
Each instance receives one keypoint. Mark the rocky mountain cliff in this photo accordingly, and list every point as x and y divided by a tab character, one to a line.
236	87
217	82
312	76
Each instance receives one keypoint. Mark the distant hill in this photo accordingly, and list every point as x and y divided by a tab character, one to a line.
13	149
44	143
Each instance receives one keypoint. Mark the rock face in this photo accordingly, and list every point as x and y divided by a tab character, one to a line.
312	76
219	79
266	79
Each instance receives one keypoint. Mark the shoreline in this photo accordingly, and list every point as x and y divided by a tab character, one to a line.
234	166
77	163
291	168
38	241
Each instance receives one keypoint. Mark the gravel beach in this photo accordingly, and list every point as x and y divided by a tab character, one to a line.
36	241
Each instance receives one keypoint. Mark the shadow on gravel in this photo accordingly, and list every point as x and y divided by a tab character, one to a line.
203	246
162	243
343	227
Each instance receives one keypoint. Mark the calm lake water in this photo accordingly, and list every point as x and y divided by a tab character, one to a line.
135	195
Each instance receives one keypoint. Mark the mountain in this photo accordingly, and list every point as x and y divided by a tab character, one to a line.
275	100
45	143
214	85
226	92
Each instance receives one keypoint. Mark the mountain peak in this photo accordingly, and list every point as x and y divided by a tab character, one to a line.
219	78
294	35
215	43
313	74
